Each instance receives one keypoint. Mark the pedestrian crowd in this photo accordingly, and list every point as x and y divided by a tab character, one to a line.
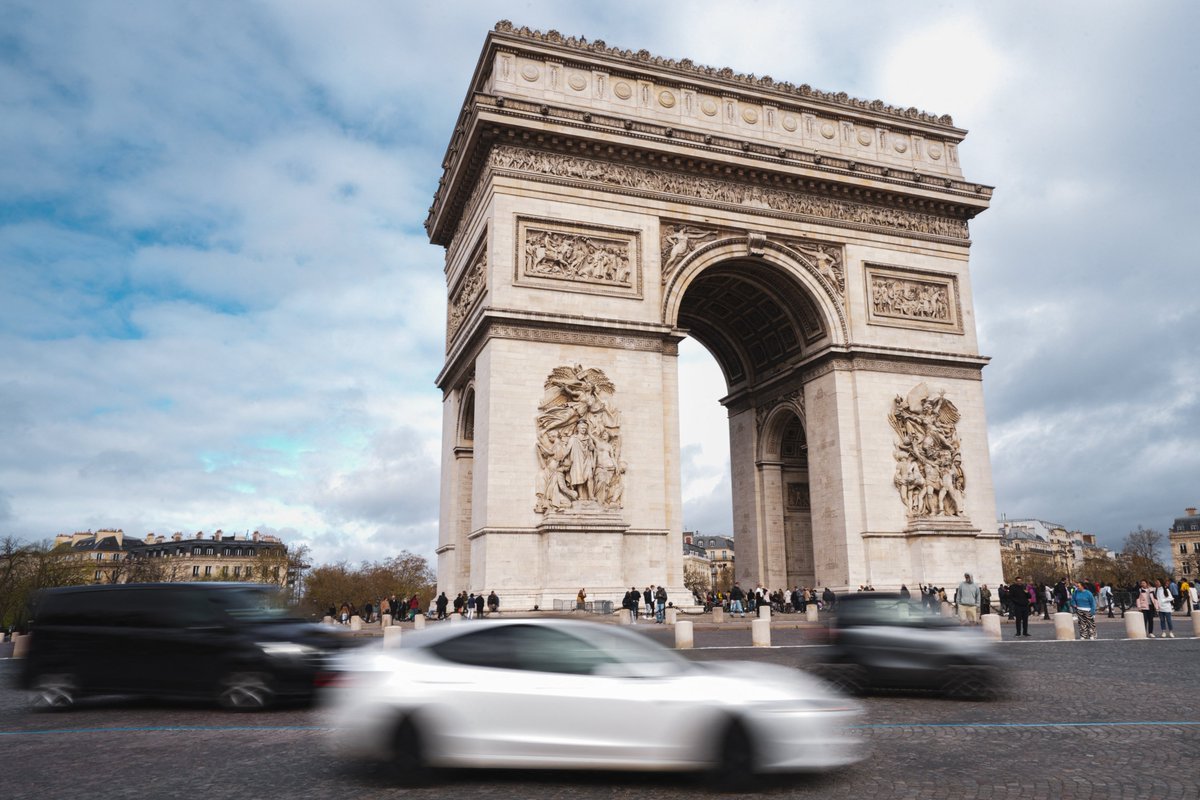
466	604
737	601
1018	599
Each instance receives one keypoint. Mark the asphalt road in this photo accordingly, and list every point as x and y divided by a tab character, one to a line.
1104	719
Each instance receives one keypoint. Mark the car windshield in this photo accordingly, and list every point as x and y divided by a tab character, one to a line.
631	648
880	611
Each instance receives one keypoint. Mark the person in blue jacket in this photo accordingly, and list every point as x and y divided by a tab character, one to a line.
1084	603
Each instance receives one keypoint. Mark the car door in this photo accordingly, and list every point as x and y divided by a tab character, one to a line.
533	695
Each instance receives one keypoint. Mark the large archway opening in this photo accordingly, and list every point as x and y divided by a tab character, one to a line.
755	323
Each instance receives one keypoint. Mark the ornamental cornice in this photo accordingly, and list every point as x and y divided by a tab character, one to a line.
510	119
798	200
691	71
583	331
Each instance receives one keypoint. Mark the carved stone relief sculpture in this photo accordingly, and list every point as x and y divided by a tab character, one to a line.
678	242
578	443
929	474
578	258
912	299
707	189
469	290
828	261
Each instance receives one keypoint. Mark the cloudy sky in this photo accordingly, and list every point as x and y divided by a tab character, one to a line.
218	308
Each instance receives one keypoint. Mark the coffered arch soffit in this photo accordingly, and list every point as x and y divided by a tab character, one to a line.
754	305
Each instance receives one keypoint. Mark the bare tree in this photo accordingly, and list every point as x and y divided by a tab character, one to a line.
1141	552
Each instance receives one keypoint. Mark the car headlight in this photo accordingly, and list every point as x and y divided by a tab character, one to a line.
286	649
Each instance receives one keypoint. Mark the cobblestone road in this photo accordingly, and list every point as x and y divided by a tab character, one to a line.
1106	719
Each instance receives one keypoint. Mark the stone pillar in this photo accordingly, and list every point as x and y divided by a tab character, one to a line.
391	636
672	614
764	612
718	614
419	622
20	645
683	635
760	632
991	626
1064	626
356	623
386	620
810	613
1135	626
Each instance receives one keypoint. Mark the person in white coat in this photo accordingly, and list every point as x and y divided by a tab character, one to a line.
1166	605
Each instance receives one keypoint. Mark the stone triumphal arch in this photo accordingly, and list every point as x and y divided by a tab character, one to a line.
598	206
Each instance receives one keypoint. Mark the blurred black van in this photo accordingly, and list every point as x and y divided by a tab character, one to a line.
232	642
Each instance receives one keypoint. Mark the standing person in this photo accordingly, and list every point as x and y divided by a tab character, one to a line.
493	602
1002	592
1106	599
469	608
660	605
580	599
1018	606
736	595
1193	600
1085	609
479	605
442	603
985	600
968	600
1145	604
631	602
648	596
1166	606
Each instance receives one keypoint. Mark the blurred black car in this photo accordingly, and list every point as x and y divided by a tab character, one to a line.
881	640
233	643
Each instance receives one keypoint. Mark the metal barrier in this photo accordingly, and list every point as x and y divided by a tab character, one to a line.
590	607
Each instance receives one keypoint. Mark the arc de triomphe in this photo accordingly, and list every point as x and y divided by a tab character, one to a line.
598	206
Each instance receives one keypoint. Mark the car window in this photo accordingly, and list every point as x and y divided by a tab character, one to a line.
532	648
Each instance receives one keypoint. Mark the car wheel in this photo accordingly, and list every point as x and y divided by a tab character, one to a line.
54	692
970	682
408	754
736	766
245	691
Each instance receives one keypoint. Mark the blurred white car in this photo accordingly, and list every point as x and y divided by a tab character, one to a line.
566	694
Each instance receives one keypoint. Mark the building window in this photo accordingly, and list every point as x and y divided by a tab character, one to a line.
196	572
237	572
1183	547
195	551
208	551
1187	569
1196	547
207	571
224	572
116	557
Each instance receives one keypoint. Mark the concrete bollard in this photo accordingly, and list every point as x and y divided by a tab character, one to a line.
419	622
456	618
905	610
625	617
328	621
1064	627
356	623
764	612
1135	626
760	632
386	620
810	613
391	636
671	616
991	626
718	614
683	635
20	645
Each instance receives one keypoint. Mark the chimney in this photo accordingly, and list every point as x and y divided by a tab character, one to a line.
61	539
149	538
1190	511
199	534
176	537
254	538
